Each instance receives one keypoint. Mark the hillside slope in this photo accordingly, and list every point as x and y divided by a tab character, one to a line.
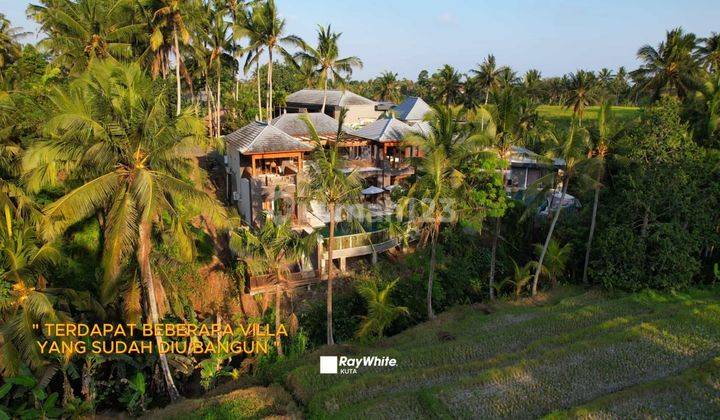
577	354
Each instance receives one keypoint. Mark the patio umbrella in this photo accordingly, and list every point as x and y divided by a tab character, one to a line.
372	190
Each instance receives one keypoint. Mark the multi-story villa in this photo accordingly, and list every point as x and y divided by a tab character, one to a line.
360	110
265	164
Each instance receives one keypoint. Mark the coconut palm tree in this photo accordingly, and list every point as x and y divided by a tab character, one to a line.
83	30
573	148
446	85
506	125
272	250
9	42
387	86
247	23
24	298
438	181
508	77
487	76
670	67
708	51
110	132
269	31
381	311
520	277
328	183
169	16
555	262
532	83
219	39
606	131
236	9
620	84
435	187
581	93
325	59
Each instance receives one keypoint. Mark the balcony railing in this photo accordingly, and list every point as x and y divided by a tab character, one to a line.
359	239
272	180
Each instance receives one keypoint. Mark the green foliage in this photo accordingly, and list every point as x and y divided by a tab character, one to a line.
217	365
135	398
22	396
660	211
381	312
519	278
347	310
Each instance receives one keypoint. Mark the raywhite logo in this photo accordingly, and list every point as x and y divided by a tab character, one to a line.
328	364
348	365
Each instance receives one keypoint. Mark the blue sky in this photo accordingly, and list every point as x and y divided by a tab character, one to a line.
554	36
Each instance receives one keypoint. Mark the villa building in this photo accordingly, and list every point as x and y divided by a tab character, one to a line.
360	110
390	155
264	166
526	167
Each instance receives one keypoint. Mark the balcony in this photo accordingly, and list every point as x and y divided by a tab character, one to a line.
272	180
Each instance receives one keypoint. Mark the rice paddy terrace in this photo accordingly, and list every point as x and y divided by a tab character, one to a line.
575	355
570	354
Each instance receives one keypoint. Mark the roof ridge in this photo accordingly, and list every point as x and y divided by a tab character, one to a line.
387	126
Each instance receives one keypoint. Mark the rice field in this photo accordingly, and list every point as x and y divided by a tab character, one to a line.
575	354
560	114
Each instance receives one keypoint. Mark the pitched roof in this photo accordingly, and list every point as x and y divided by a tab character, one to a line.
412	108
523	156
422	127
294	124
259	137
334	98
385	130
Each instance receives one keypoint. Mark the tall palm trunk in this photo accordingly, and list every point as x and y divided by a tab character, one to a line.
269	85
493	258
278	298
143	257
592	232
177	70
322	110
431	274
259	90
496	235
549	236
211	118
218	130
330	339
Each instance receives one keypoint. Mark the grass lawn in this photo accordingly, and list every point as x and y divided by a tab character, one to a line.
573	354
558	113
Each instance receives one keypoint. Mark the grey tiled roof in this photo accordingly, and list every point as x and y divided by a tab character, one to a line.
259	137
412	108
422	127
334	98
384	130
521	155
295	125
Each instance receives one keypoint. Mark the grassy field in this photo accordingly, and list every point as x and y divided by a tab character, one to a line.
247	403
573	355
557	113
